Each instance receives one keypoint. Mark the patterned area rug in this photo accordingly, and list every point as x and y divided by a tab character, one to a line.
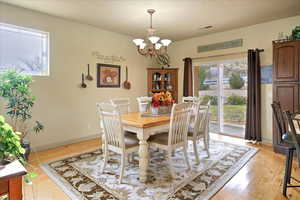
79	175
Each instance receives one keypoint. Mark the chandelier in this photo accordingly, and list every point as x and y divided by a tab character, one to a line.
153	46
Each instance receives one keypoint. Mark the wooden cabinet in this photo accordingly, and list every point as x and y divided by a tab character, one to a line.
288	96
162	80
286	83
286	61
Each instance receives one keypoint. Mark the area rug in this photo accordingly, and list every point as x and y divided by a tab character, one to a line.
80	178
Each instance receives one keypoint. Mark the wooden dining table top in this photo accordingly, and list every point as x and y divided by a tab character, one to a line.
136	120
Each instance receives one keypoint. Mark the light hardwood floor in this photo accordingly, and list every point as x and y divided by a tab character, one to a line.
260	179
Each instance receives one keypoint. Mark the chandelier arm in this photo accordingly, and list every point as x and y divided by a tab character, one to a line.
140	51
162	51
165	50
158	52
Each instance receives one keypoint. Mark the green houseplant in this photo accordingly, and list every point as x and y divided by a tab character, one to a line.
11	148
236	100
10	144
19	100
236	81
202	77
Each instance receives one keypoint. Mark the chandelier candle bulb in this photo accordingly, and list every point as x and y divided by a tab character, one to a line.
138	42
143	45
157	46
154	39
166	42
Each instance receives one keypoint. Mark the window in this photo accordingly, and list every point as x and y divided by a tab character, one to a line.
224	83
24	50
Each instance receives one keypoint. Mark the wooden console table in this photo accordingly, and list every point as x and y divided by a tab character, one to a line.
11	180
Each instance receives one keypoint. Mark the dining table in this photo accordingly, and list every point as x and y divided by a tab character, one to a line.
144	126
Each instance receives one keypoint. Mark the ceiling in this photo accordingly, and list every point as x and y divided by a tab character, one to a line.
174	19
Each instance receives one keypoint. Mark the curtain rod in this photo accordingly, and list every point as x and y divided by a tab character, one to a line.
228	54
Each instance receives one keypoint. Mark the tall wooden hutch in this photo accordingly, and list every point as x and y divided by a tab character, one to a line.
162	80
286	82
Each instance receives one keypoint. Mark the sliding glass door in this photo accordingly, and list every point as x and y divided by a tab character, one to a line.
224	83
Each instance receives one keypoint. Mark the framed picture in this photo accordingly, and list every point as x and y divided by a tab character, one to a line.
266	74
108	76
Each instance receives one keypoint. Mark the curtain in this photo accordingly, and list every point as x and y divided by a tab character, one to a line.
253	119
188	77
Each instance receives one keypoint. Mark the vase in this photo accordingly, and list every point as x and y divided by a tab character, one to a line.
154	110
164	109
143	107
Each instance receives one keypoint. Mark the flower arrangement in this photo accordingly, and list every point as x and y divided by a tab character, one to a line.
162	99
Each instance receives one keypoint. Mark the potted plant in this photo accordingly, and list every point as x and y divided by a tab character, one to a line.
10	144
161	103
15	90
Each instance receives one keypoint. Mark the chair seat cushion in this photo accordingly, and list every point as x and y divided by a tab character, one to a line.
161	138
131	141
288	138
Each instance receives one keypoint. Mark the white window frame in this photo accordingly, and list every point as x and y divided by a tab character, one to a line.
220	88
32	31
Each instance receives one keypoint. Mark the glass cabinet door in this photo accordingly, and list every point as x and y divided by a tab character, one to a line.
157	81
168	81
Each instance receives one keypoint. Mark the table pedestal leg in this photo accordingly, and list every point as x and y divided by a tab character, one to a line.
143	154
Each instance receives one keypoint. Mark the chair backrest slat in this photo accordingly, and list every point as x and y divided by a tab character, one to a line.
112	124
201	118
123	104
180	117
190	99
279	117
294	126
144	103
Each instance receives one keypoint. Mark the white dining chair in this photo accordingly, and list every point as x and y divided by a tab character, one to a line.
206	104
144	103
123	104
199	128
177	135
190	99
115	139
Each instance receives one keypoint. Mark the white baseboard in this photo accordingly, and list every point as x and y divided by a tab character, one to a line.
267	142
54	145
58	144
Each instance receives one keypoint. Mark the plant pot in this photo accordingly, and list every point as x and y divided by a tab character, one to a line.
3	163
26	146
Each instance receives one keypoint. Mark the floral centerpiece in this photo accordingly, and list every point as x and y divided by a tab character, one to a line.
161	102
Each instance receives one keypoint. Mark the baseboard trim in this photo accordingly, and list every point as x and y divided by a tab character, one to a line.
54	145
58	144
267	142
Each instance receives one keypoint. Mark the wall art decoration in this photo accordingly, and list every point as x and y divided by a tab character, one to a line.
108	76
83	85
266	74
88	76
107	59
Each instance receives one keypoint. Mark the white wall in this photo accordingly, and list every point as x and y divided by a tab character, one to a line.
67	111
256	36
